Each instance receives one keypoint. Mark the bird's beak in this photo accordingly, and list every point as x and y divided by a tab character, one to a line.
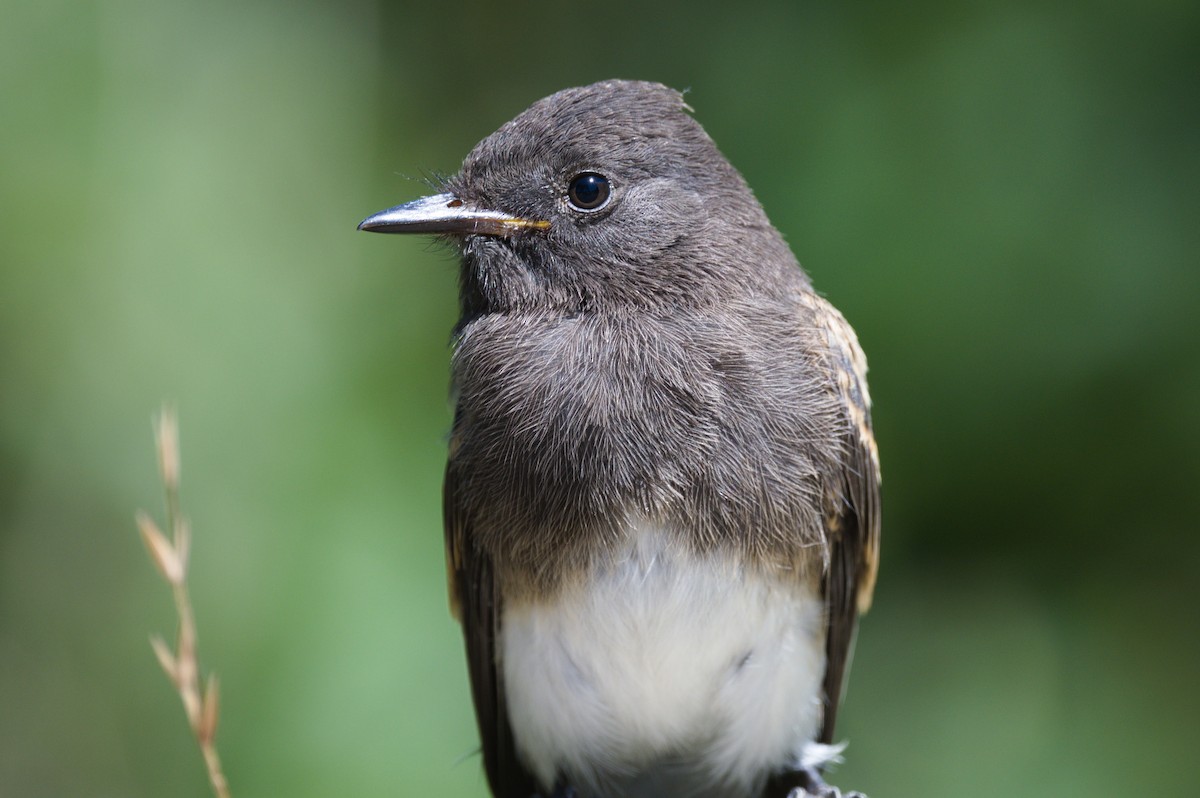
447	214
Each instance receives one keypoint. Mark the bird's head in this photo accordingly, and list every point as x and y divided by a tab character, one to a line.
605	195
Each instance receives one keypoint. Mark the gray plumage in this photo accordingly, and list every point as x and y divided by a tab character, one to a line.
659	363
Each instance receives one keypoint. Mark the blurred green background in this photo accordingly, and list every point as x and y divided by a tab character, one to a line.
1001	197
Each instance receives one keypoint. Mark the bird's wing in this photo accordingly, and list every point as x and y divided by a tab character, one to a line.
852	527
476	601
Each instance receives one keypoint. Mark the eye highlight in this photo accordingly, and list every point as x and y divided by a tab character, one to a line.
589	191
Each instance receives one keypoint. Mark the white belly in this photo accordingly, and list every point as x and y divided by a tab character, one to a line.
666	671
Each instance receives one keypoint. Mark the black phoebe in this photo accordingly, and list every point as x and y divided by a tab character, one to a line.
662	495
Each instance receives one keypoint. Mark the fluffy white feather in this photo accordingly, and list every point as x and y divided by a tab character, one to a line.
666	673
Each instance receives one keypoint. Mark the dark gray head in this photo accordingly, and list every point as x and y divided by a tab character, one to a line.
596	197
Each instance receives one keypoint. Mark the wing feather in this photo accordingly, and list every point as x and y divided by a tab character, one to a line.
852	526
475	599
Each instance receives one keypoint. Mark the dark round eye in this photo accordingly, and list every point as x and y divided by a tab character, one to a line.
588	191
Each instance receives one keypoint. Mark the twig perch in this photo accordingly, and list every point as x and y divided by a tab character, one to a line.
170	557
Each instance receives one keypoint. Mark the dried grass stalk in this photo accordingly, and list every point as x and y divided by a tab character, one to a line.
170	558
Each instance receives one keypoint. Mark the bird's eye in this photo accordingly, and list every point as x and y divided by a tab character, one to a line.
589	191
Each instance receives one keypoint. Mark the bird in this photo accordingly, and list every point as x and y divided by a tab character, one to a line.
662	499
